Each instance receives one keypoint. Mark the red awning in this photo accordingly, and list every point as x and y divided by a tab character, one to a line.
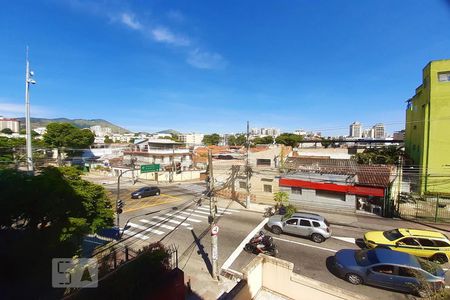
349	189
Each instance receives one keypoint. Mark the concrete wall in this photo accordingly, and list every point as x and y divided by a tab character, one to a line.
276	276
162	176
310	199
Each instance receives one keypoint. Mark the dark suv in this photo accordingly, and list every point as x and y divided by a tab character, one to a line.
145	192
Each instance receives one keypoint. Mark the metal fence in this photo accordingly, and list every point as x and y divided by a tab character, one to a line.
430	208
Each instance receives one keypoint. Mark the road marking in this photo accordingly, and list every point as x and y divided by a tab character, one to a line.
182	217
150	205
167	195
303	244
138	235
345	239
158	224
239	248
172	221
207	209
202	212
192	214
145	228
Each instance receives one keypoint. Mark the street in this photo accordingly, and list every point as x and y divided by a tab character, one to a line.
175	219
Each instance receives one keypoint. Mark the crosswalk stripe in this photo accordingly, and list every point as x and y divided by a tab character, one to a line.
145	228
192	214
222	212
158	224
228	209
189	219
173	221
202	212
138	235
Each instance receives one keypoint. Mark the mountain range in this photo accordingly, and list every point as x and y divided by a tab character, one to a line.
80	123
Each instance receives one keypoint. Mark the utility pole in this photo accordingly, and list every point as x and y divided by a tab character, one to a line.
28	79
212	217
247	199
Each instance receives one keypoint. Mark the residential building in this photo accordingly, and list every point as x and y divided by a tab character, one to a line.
192	139
12	124
427	129
355	130
368	133
300	132
339	184
378	131
101	131
164	152
40	130
399	135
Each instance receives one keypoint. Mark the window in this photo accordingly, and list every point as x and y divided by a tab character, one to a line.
426	242
408	242
444	76
392	235
292	222
296	191
305	223
242	184
263	162
439	243
316	224
268	188
385	269
407	272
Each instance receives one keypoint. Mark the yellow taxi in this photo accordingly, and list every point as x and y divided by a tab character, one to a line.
423	243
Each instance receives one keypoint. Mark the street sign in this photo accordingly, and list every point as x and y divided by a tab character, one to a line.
150	168
215	230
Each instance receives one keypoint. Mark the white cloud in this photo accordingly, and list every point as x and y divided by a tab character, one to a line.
205	60
130	21
164	35
9	109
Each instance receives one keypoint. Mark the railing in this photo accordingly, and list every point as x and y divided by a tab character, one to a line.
434	208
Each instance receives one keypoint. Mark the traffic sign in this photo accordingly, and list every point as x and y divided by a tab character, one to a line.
150	168
215	230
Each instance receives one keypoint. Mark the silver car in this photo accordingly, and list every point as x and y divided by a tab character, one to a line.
311	225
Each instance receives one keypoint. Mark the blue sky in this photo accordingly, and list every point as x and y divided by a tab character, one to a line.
209	66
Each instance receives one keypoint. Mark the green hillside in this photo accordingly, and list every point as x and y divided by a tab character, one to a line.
81	123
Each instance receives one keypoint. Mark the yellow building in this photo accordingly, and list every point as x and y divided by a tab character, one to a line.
427	137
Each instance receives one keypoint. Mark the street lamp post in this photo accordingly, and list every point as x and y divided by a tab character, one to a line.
28	79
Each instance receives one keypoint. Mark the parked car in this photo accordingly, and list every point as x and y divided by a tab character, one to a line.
423	243
145	192
310	225
389	269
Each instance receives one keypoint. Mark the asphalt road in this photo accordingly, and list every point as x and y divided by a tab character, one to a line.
175	219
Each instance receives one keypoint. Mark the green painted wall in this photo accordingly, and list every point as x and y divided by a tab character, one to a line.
427	136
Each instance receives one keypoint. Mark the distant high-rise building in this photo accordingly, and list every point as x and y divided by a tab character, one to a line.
192	139
356	130
265	131
378	131
12	124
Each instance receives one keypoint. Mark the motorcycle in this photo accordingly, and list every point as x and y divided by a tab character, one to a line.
262	243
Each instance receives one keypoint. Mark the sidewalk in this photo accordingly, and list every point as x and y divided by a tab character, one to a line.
357	220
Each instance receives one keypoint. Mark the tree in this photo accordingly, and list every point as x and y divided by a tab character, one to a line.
108	140
289	139
326	142
43	217
386	156
265	140
67	135
7	131
237	140
211	139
